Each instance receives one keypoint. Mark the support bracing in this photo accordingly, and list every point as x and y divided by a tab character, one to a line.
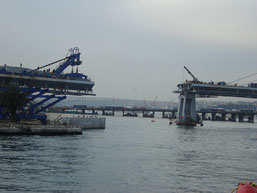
35	106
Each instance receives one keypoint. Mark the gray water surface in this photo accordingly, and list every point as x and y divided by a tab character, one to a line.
132	155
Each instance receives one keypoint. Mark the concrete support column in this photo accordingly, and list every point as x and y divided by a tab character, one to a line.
187	109
173	115
223	116
163	114
203	116
241	118
213	116
251	118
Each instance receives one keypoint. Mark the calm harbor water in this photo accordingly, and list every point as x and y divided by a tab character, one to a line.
132	155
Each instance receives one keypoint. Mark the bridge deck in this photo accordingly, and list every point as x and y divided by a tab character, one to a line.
55	85
218	90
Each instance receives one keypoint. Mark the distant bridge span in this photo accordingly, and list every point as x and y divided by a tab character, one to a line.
207	114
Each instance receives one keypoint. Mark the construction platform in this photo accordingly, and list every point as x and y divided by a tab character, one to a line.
42	85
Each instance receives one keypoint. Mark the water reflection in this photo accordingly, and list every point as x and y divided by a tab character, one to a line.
187	134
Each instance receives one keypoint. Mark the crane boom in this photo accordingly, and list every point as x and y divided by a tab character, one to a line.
72	59
194	78
48	64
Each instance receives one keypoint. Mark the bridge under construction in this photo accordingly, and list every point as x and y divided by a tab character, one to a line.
190	90
45	87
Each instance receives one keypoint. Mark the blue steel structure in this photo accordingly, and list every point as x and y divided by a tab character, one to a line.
44	86
72	60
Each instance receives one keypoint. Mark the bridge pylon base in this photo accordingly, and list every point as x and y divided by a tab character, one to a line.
186	110
189	122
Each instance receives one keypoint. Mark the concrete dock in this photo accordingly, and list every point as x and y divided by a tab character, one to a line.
34	128
82	121
85	122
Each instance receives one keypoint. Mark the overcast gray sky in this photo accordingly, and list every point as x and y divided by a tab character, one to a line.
134	49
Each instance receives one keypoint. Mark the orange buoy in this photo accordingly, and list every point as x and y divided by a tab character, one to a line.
246	187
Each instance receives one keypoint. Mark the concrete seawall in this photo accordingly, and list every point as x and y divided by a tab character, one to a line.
84	122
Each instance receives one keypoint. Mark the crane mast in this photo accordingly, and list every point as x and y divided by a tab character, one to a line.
194	78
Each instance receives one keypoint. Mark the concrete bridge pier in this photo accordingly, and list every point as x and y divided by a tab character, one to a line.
163	114
173	115
186	110
203	116
251	118
213	116
240	117
223	116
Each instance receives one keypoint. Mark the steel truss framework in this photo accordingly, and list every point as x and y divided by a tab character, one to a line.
39	101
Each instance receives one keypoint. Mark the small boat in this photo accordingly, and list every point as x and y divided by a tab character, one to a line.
246	187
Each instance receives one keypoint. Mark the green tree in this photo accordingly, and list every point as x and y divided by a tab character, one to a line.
12	100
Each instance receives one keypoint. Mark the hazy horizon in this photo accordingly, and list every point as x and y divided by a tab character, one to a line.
135	49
